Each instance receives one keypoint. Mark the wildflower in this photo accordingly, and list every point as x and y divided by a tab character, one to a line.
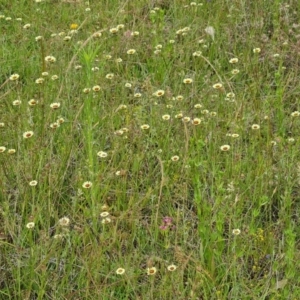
55	105
38	38
128	85
107	56
17	102
102	154
27	134
255	126
204	111
235	71
119	132
74	26
121	107
39	80
50	59
291	140
119	60
179	116
172	41
60	120
197	53
171	268
145	126
236	231
186	119
58	236
26	26
198	105
175	158
2	149
96	88
54	125
106	220
196	121
235	135
256	50
276	55
86	90
179	98
131	51
120	26
64	221
54	77
30	225
33	183
295	114
32	102
230	95
151	271
97	34
187	80
120	271
67	38
2	124
11	151
213	113
218	86
137	95
225	148
109	76
121	173
166	117
104	214
87	9
113	30
45	74
233	60
159	93
87	184
210	31
14	77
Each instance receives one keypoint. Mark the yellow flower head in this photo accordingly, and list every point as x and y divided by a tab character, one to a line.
73	26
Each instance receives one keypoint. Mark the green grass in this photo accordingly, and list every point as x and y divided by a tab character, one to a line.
175	168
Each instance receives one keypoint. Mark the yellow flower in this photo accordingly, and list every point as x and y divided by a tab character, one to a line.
74	26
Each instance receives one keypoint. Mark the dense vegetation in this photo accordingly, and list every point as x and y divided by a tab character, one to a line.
149	150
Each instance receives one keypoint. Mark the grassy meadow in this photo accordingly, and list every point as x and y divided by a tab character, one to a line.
149	150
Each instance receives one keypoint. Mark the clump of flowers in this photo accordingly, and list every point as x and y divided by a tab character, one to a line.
167	223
